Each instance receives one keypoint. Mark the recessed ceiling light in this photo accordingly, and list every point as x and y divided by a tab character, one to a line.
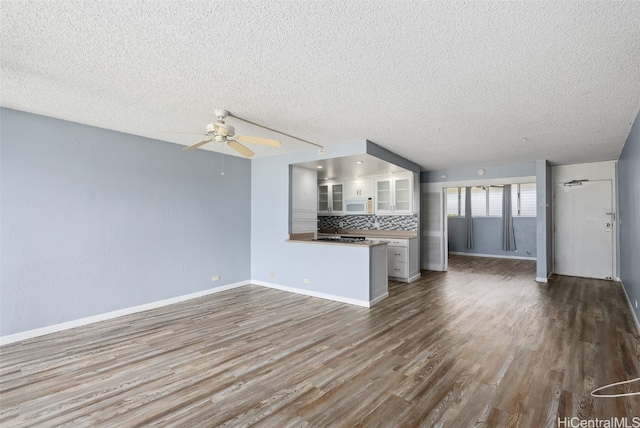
358	162
319	167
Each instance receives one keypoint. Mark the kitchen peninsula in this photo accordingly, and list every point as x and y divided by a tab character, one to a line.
402	253
348	191
385	254
357	270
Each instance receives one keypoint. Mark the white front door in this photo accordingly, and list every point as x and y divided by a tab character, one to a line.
583	229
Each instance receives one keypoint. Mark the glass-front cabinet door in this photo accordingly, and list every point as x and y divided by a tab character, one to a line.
323	199
402	196
330	199
383	197
337	199
394	195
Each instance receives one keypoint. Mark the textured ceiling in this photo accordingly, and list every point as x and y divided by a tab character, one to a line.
444	84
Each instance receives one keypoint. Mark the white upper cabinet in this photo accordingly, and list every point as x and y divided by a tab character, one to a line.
394	195
304	190
304	194
331	198
359	188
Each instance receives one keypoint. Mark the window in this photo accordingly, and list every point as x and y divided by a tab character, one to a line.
455	201
495	201
487	200
479	201
527	199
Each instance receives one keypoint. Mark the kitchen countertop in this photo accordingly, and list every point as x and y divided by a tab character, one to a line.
371	233
349	244
391	234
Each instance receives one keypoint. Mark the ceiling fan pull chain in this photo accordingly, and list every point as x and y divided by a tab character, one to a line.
222	160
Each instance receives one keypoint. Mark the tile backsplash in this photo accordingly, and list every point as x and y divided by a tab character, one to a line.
386	222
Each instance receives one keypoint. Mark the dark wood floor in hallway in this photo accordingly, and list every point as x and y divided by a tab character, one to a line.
482	345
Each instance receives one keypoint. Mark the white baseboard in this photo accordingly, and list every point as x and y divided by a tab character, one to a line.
29	334
312	293
544	280
437	268
379	299
493	256
415	277
633	311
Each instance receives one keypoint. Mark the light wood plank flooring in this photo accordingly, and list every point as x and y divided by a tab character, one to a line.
481	345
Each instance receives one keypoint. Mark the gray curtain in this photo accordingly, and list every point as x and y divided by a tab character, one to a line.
468	219
508	235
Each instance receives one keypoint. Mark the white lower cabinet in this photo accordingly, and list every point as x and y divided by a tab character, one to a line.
402	258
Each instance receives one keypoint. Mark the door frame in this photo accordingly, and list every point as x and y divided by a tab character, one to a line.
441	187
613	221
593	171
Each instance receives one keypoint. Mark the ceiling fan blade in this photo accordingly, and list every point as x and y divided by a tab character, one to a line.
240	148
257	140
196	145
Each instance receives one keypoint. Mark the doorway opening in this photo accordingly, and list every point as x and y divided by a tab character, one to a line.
466	219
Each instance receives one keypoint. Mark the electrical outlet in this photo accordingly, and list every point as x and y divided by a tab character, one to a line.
307	281
215	278
341	224
636	304
271	274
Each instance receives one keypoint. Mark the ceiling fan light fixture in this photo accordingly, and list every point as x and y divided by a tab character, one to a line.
224	129
221	132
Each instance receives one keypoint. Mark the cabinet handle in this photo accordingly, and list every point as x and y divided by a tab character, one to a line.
396	254
396	269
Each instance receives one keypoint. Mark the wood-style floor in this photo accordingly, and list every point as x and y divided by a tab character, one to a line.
481	345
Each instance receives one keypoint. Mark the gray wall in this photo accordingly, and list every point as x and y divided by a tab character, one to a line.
487	236
629	214
523	169
94	220
544	215
278	262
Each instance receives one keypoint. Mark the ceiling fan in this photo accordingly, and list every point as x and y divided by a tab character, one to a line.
222	132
